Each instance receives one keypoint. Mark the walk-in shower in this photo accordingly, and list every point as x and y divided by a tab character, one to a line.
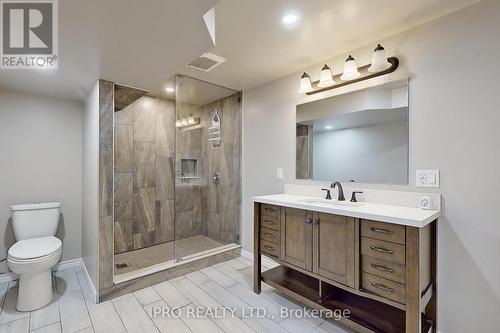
176	177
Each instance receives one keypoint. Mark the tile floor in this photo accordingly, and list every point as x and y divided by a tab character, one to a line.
224	285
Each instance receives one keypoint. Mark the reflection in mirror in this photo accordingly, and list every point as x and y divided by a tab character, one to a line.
357	137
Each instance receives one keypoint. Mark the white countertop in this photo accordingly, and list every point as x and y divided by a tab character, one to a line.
409	216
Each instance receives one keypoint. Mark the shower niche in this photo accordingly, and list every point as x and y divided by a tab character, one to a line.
168	208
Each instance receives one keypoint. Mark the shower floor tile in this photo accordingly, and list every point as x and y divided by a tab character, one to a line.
133	260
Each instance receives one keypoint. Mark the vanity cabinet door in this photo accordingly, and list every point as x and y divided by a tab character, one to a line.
334	247
296	237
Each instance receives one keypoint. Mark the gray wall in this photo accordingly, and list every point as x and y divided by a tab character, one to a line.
454	119
40	142
367	154
90	185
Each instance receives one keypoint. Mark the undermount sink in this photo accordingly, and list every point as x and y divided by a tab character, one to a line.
331	202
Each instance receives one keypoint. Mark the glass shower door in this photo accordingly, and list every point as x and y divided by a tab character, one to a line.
207	167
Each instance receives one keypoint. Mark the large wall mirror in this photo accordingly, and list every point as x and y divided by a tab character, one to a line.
358	137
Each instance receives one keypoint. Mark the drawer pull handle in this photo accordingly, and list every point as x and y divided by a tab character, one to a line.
382	268
269	235
269	222
381	231
309	221
270	248
381	249
267	209
382	287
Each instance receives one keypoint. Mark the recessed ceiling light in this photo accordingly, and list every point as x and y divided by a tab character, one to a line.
169	89
328	127
289	18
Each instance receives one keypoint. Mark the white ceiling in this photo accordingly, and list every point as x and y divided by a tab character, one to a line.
137	43
143	43
249	33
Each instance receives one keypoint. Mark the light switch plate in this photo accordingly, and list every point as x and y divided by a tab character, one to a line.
427	178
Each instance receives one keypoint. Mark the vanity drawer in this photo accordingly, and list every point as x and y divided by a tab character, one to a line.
384	231
271	222
384	269
383	287
383	250
269	235
269	248
269	210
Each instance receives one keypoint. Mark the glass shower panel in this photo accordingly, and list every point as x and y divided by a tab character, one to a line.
207	167
143	180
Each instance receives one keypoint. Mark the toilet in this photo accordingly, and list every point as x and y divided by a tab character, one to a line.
35	252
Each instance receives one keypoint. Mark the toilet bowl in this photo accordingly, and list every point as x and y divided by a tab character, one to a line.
34	254
33	260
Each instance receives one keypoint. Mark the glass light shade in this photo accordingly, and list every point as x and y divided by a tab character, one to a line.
305	84
326	78
379	60
350	70
184	122
190	120
178	123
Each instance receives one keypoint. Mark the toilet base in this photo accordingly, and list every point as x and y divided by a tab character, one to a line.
35	290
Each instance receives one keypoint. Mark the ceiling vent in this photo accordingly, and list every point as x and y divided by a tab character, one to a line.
206	62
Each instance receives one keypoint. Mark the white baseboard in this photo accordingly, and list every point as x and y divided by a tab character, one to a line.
67	264
268	262
89	282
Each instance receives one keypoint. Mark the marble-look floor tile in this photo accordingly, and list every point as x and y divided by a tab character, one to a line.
219	277
198	324
133	316
171	295
104	318
17	326
74	314
45	316
164	322
147	296
53	328
9	312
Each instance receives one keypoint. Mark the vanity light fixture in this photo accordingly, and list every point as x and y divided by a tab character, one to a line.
350	70
380	66
187	122
169	89
326	78
178	123
305	84
379	60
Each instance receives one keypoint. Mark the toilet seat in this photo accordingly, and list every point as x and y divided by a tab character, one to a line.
35	249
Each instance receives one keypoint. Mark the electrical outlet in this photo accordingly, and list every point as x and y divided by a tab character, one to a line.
427	178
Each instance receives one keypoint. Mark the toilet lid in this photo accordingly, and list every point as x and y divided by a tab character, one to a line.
35	248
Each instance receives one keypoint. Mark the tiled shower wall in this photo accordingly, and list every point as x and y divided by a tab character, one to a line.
222	202
143	177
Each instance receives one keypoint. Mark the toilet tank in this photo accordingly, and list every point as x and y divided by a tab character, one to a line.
35	220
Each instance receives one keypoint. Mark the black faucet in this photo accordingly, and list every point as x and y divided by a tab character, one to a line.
328	195
340	190
353	196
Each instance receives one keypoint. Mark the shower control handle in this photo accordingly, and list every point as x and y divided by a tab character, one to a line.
216	178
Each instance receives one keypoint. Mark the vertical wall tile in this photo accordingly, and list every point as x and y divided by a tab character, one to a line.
105	111
144	219
105	179
165	178
124	148
123	236
165	216
105	252
145	166
144	120
124	196
184	224
165	125
125	116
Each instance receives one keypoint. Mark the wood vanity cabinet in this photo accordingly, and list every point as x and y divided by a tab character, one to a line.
383	273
